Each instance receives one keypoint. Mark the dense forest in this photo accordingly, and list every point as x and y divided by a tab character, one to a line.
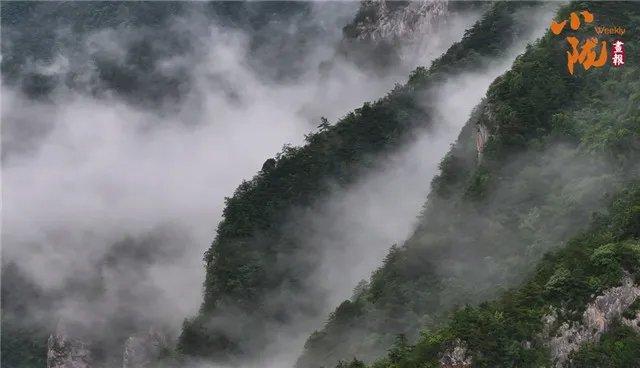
517	329
254	257
559	147
526	252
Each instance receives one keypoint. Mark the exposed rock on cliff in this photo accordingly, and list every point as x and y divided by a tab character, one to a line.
381	20
596	320
456	357
66	351
386	33
482	135
142	350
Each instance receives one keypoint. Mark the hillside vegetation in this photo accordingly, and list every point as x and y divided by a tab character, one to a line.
254	259
510	331
560	147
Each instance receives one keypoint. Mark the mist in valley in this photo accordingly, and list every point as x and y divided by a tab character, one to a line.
353	228
112	194
119	146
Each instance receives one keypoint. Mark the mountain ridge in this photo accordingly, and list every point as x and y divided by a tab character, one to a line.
237	266
498	205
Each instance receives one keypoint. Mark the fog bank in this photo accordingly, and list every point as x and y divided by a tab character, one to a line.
112	191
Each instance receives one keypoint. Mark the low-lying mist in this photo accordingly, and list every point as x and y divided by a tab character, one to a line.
351	230
109	203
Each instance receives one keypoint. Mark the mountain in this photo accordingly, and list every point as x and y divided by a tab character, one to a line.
91	320
58	52
142	54
579	308
526	252
385	33
23	335
58	44
257	270
393	21
537	162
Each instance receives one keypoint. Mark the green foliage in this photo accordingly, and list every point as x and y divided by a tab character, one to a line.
478	183
245	260
559	146
507	332
399	349
249	257
23	345
618	348
451	168
488	37
633	310
346	311
24	333
197	338
353	364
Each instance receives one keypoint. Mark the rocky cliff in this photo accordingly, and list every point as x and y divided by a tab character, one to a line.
487	222
391	21
404	33
67	351
257	257
143	350
597	319
66	348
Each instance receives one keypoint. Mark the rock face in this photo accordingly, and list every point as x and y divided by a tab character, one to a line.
456	357
64	351
143	350
382	20
596	320
482	135
392	33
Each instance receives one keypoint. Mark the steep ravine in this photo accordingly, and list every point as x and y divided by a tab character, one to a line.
257	271
530	171
120	57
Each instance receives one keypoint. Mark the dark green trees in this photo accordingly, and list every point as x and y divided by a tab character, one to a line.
254	257
559	147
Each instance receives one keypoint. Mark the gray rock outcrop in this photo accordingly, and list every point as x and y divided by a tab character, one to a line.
67	351
142	350
390	21
596	320
456	357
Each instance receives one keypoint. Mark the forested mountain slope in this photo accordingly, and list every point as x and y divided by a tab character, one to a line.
256	273
580	308
542	153
385	33
23	339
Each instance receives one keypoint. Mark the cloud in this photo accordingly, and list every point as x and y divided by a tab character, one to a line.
109	203
86	169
